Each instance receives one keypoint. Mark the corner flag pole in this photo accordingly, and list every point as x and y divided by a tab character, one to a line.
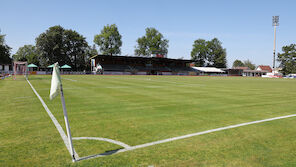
67	123
55	89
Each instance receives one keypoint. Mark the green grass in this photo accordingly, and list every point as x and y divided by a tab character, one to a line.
141	109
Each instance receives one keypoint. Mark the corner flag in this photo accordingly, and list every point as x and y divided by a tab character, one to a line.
55	81
55	89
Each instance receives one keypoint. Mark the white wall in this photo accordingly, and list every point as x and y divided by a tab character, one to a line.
6	67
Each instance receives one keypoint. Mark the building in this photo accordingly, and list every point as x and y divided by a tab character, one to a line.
253	73
5	67
241	68
127	65
264	68
245	71
208	71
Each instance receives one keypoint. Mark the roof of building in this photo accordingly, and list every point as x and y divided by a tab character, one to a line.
208	69
255	71
241	68
141	58
265	68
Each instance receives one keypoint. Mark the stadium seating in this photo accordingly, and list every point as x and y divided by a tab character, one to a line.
116	67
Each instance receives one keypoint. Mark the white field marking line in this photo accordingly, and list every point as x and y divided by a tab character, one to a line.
70	79
185	136
54	120
103	139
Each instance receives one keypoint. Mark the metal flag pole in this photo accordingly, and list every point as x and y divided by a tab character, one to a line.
67	123
275	22
274	43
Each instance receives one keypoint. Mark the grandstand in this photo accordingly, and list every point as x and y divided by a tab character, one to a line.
120	65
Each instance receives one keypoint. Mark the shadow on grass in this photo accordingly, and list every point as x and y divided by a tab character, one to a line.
110	152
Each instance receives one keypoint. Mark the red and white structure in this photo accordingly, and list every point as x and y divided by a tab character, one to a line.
20	68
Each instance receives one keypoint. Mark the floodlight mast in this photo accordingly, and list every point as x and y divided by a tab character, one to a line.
275	22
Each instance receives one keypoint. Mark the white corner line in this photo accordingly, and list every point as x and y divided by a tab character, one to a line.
103	139
185	136
54	120
73	80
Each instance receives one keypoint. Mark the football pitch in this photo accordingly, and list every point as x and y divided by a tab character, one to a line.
136	110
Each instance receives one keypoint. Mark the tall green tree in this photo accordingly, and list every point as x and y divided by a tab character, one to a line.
109	41
27	53
216	53
287	59
4	51
199	52
153	42
208	53
75	49
61	45
238	63
249	64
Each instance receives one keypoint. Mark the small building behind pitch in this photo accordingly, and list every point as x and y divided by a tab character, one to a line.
209	71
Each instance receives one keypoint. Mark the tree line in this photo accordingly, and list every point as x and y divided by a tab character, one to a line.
246	63
69	47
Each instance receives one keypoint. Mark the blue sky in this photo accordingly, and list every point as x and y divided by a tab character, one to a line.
243	27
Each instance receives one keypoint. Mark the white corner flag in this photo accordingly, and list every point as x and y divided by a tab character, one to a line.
55	82
55	89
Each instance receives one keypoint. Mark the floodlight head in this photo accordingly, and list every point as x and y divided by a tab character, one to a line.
275	20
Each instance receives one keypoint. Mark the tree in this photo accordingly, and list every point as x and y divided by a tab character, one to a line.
249	64
91	51
288	59
64	46
109	41
27	53
2	39
238	63
208	53
153	42
75	49
4	51
216	54
199	52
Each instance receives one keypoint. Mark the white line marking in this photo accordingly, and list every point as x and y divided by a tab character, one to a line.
185	136
70	79
102	139
54	120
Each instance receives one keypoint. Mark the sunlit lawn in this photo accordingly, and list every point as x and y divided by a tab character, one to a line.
141	109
